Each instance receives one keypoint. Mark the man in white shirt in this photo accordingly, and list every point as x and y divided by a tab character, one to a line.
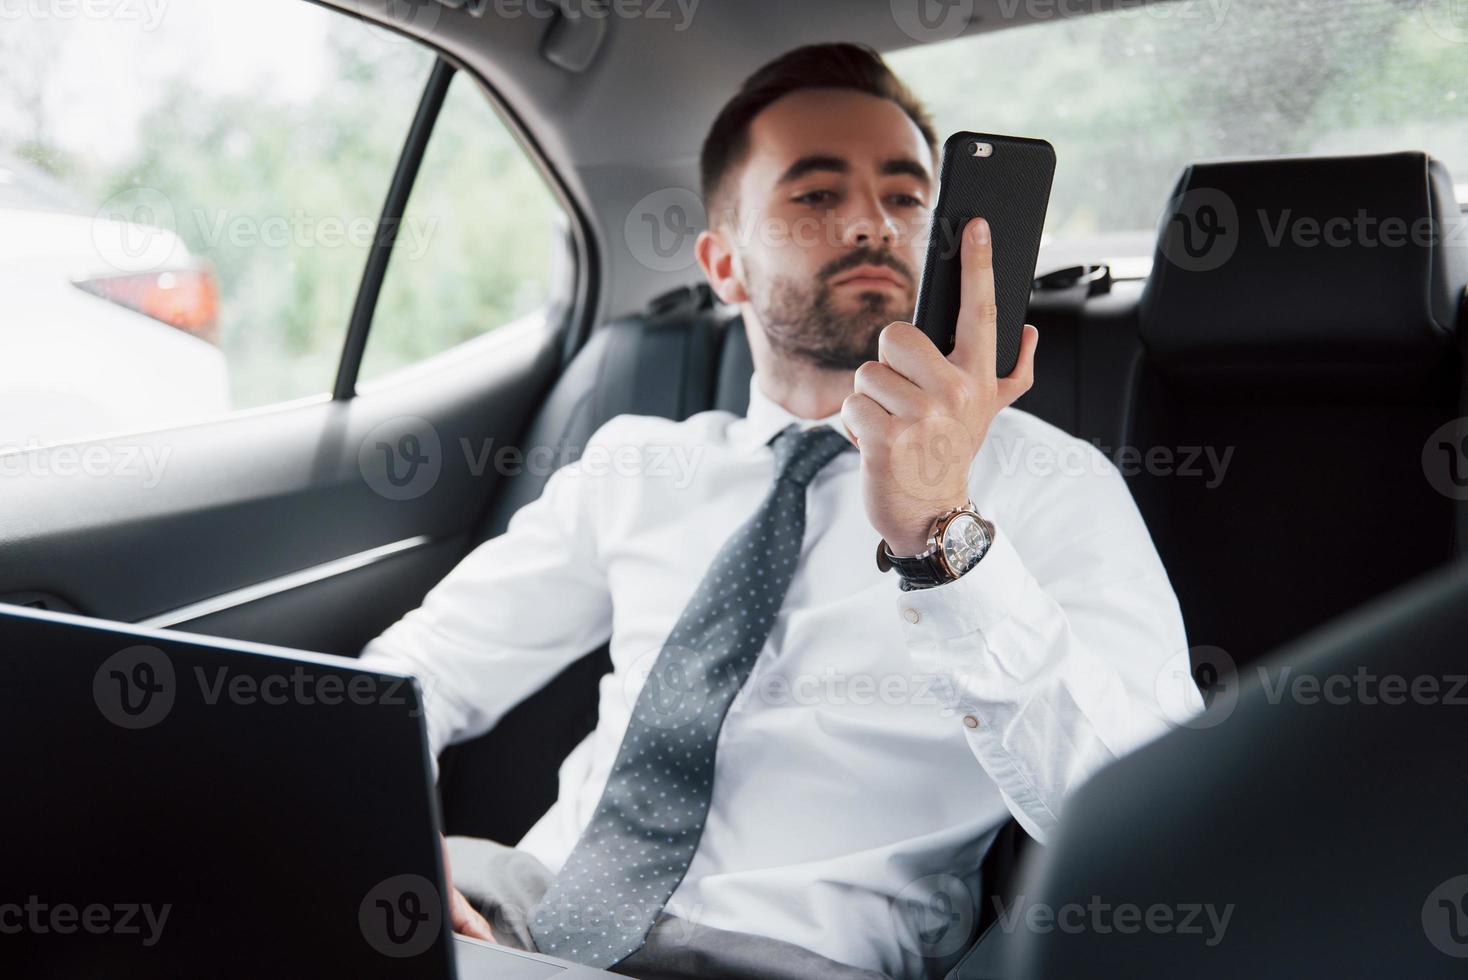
880	729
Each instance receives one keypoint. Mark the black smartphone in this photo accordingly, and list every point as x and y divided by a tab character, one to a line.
1006	180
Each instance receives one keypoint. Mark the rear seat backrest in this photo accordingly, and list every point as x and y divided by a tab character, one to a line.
663	362
1322	367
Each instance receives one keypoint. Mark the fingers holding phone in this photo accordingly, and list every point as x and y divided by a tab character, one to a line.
921	412
919	419
976	327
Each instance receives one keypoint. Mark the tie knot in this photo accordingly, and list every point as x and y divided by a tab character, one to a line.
801	453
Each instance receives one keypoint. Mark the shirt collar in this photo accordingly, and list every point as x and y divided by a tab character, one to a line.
767	418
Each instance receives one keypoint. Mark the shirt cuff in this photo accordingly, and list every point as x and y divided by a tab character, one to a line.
972	603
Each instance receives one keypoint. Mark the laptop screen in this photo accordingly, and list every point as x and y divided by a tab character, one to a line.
186	805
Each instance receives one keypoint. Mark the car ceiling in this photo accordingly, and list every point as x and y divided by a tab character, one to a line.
632	123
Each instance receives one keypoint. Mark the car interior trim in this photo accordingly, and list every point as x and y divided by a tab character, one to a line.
284	583
387	226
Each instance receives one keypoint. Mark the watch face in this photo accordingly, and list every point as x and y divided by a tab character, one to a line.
964	542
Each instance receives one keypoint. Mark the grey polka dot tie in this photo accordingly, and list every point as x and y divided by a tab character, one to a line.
643	835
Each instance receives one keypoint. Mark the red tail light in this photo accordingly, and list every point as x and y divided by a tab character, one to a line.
184	298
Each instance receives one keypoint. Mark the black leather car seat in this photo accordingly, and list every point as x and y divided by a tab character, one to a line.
1325	830
1323	365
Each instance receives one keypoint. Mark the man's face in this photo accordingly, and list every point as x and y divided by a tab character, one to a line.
830	216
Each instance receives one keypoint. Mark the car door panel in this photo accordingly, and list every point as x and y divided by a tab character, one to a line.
250	499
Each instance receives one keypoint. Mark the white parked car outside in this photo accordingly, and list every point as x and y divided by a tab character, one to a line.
107	322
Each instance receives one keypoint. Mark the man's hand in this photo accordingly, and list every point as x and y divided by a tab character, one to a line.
467	921
919	418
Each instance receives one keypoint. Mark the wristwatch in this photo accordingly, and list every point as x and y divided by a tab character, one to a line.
959	540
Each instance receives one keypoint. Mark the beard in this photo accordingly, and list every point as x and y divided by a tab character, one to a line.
802	322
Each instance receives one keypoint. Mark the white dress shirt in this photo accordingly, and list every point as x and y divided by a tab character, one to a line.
882	733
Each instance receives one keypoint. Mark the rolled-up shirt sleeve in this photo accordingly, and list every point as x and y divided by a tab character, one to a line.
514	613
1050	649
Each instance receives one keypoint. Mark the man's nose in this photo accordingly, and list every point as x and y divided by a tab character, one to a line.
870	227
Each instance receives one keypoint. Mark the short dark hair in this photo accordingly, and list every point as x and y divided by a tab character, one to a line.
842	66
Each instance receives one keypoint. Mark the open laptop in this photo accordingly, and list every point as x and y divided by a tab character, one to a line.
180	805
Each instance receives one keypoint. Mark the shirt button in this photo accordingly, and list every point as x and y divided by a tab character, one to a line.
970	721
911	615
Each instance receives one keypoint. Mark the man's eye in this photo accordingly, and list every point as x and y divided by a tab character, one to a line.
908	201
816	198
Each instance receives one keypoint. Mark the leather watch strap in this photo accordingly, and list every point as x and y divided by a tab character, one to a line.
918	572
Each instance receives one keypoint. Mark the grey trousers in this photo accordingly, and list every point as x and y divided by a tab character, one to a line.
505	884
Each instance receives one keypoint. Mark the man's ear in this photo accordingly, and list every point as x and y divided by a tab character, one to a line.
716	259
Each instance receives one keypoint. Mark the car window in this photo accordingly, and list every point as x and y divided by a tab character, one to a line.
1131	96
481	244
188	193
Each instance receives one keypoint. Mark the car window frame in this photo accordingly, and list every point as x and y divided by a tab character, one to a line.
572	300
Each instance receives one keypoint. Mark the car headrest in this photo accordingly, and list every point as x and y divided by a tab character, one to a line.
1322	259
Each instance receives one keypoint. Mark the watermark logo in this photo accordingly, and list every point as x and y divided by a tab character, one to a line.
1202	230
1445	459
1445	917
402	916
932	20
135	688
662	229
667	688
401	459
134	231
931	456
934	916
1198	688
404	20
1448	19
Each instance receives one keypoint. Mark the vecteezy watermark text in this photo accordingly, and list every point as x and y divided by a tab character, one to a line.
34	459
680	12
147	13
1362	686
403	458
1207	463
1202	919
40	918
136	688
